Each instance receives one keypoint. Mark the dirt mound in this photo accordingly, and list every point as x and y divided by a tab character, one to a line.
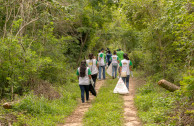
43	88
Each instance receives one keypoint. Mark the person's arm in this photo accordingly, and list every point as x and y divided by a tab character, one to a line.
100	57
89	73
97	64
118	60
110	59
106	59
77	73
130	66
120	68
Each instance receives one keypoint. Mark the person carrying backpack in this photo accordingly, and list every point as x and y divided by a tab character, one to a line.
93	65
115	61
125	68
84	76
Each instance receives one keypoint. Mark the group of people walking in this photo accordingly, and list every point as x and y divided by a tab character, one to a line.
92	67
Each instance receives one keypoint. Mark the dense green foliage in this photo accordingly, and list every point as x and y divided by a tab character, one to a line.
165	36
107	109
43	41
164	33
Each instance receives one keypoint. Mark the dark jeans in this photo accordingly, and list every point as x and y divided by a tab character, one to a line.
126	79
100	70
94	77
84	88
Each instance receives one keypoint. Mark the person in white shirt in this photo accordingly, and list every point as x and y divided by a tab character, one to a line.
102	64
84	76
125	67
93	65
115	61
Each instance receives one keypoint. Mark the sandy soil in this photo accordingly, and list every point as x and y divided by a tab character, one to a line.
77	116
130	112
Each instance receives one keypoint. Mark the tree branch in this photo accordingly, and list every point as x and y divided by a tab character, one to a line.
25	25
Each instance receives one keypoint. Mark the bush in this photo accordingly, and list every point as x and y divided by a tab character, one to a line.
188	85
39	111
154	103
137	57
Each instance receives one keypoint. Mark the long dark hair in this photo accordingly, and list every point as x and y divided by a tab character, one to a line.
83	68
125	56
115	53
91	56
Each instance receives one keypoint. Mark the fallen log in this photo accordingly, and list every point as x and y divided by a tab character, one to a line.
167	85
7	106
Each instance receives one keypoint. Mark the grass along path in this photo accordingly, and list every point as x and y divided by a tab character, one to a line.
107	108
75	119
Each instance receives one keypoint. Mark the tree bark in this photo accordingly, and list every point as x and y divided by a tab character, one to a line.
168	86
7	106
162	58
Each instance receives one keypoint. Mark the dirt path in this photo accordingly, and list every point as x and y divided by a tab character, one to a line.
130	112
77	116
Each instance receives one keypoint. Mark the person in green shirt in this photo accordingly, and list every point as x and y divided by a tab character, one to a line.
84	76
120	54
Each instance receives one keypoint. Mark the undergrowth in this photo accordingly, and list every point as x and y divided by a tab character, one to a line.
39	111
154	104
158	106
107	109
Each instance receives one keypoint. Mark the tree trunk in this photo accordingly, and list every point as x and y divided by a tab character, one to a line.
168	86
162	58
83	42
12	93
